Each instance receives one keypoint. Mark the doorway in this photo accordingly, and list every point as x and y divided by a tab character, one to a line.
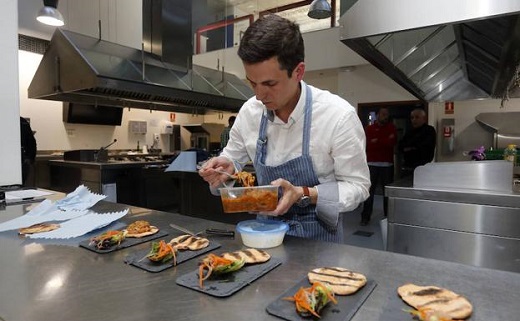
399	114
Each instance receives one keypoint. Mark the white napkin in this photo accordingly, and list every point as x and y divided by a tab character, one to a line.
46	211
73	205
80	199
81	225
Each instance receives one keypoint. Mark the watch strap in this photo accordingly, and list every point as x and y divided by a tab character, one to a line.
306	191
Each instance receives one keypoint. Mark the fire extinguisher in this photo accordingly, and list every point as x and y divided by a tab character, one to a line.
447	131
448	134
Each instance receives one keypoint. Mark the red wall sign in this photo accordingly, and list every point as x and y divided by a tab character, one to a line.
449	107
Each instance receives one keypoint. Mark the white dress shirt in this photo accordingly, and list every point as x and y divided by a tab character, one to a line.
337	144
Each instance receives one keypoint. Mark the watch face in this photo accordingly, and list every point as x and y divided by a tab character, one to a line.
304	201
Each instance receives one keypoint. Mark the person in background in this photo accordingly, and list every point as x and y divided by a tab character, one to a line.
224	136
418	144
307	141
28	147
381	139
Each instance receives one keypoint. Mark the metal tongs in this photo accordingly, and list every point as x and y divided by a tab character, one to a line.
220	232
209	231
184	230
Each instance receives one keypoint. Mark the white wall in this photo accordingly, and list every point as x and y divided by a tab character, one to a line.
10	161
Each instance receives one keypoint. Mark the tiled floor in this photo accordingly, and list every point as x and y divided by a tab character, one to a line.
369	236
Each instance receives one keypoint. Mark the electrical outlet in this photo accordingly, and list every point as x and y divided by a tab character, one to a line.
156	137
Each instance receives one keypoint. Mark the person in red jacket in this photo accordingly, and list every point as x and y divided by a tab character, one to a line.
381	138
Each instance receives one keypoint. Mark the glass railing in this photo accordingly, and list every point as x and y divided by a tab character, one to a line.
230	22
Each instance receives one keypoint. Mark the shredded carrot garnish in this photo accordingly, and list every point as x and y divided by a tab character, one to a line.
211	262
302	298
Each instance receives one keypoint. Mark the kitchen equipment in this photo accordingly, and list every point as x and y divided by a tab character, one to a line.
199	167
220	232
503	125
88	70
439	50
262	234
88	155
249	199
184	230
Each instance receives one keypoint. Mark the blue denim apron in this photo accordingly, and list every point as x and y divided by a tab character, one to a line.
303	222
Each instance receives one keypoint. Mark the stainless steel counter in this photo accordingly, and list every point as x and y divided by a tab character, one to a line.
405	189
56	282
477	227
104	165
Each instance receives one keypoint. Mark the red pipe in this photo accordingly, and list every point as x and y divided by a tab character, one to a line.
285	8
220	24
227	22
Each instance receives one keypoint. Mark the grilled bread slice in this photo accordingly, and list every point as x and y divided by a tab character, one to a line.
341	280
250	256
438	299
189	242
139	229
38	228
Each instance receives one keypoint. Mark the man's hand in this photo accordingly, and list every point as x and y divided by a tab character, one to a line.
290	195
215	179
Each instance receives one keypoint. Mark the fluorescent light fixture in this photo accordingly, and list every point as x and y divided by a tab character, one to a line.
50	15
319	9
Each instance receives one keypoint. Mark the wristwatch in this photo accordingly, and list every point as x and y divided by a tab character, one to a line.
305	200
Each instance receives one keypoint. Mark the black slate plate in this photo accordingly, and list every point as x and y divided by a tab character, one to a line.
227	284
344	310
129	241
182	256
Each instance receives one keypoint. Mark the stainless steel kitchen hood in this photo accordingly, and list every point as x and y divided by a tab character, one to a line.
81	69
504	126
441	50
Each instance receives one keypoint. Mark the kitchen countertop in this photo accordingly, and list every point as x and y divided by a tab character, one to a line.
57	282
104	165
405	189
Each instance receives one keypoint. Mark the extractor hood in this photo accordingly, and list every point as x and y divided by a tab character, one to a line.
81	69
443	50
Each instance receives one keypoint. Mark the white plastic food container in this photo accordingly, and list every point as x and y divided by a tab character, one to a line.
262	234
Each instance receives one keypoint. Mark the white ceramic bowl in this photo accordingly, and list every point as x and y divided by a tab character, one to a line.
262	234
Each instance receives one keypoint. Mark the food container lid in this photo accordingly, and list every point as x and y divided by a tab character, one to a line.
262	226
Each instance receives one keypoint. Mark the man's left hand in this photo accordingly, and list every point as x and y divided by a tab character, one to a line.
290	195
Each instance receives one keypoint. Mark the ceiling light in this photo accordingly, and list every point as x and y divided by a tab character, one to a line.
319	9
49	14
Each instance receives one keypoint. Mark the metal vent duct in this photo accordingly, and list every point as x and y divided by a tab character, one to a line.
439	50
81	69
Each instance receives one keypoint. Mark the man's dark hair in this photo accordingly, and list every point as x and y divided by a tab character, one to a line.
231	120
272	36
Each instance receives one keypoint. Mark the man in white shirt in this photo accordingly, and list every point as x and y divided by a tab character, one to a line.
307	141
